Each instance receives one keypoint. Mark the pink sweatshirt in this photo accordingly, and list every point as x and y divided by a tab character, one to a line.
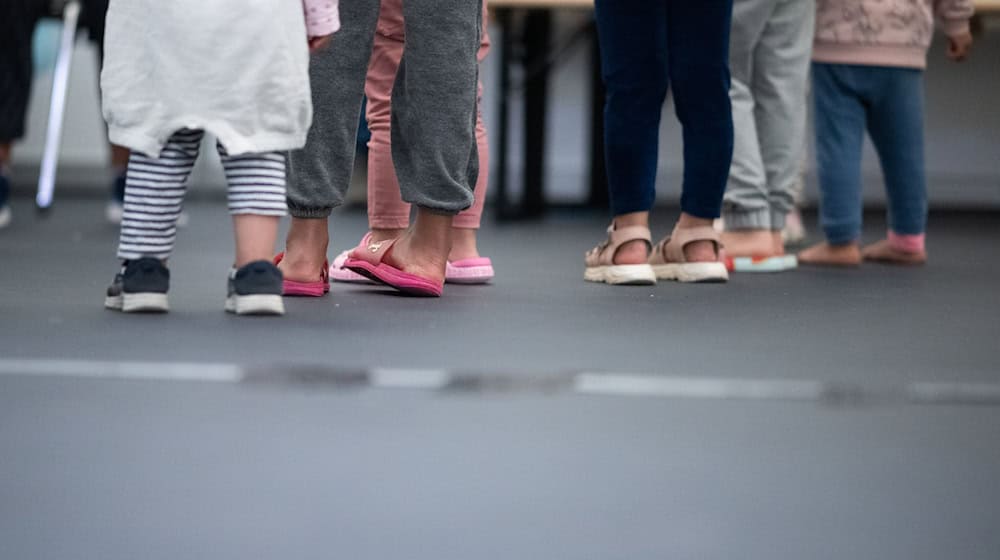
884	32
322	17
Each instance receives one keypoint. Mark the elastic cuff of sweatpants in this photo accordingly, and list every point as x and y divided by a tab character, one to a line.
310	213
841	236
388	222
754	219
442	211
778	220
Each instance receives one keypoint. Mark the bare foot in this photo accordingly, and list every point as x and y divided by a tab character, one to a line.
419	258
824	254
423	250
463	244
751	243
305	250
884	252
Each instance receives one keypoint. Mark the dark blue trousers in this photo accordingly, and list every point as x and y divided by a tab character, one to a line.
648	47
889	104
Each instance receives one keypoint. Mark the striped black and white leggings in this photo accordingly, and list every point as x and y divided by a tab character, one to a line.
154	191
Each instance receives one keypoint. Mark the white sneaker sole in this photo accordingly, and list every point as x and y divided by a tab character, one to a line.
621	275
5	217
138	303
695	272
255	304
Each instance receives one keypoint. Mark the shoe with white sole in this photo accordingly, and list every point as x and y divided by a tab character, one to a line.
140	287
600	265
477	270
669	263
255	289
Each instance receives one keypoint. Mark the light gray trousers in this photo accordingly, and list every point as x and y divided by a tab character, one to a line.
769	57
433	108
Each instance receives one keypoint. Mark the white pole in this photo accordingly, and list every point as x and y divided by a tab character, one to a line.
57	106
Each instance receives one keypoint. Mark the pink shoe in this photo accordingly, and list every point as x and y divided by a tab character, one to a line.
367	260
477	270
340	274
306	289
464	271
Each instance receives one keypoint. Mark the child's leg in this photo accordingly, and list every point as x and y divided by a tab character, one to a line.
896	126
319	173
256	202
840	125
471	218
780	81
154	192
698	53
467	222
745	205
780	71
633	38
388	215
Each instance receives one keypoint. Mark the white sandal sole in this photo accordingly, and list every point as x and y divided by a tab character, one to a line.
694	272
621	275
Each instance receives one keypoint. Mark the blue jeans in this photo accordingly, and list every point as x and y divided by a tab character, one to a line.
648	46
889	104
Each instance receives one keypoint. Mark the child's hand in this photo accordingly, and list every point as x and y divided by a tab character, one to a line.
959	46
318	43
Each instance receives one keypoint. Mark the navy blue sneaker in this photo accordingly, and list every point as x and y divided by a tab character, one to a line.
255	289
141	286
4	198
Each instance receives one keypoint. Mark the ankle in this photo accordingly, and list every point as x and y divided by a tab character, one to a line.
385	234
463	244
631	219
907	243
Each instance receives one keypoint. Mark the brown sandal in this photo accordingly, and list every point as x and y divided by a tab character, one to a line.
668	260
600	260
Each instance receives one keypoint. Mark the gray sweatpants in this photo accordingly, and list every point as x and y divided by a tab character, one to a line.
769	55
433	108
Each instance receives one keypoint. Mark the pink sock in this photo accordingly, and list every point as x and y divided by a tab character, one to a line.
907	243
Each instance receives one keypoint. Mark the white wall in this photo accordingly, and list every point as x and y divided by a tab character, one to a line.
963	125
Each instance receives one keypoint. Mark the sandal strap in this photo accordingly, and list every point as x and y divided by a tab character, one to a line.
604	254
671	249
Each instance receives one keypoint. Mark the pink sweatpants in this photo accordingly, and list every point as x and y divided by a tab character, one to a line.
386	209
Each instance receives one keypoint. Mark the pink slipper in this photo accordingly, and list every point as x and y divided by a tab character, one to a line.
307	289
464	271
340	274
367	260
477	270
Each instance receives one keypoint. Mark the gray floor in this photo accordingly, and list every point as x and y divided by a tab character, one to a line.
300	457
